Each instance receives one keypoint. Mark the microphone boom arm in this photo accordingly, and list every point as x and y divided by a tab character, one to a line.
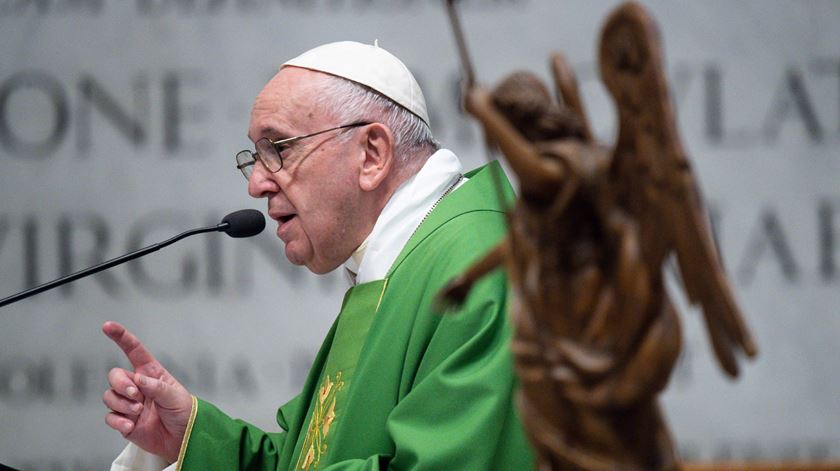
221	227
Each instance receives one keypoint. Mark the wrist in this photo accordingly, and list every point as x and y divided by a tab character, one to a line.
177	454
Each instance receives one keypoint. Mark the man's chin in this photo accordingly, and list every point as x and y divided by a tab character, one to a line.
317	267
294	257
319	270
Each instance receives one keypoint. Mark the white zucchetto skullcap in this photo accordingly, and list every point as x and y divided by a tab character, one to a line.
369	65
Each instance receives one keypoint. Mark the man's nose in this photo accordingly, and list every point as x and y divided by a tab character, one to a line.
261	183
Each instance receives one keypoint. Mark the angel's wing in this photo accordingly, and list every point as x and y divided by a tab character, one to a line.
654	180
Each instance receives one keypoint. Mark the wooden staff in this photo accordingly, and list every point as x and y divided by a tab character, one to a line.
466	65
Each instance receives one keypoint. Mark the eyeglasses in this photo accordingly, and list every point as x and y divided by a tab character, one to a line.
270	153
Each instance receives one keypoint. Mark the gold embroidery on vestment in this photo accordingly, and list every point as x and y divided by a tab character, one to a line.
323	415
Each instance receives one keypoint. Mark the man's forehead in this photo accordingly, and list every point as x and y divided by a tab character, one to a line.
292	82
281	91
284	105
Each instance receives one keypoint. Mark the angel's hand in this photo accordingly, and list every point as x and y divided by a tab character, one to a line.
476	100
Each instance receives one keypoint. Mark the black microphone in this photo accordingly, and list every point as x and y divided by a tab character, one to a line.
242	223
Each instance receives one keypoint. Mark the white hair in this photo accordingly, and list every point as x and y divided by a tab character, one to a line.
351	102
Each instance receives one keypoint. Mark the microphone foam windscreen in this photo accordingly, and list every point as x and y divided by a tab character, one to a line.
244	223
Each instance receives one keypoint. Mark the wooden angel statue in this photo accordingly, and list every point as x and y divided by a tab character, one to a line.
596	335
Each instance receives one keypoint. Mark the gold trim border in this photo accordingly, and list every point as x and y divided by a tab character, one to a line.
381	295
187	433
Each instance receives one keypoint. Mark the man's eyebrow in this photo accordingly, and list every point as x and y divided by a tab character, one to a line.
266	132
273	133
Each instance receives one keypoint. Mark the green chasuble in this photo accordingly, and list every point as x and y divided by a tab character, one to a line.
396	385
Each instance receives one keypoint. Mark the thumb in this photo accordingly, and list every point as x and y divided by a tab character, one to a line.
165	395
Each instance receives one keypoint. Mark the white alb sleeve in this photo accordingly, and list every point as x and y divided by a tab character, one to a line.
134	458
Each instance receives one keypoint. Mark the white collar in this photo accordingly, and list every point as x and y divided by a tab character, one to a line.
401	216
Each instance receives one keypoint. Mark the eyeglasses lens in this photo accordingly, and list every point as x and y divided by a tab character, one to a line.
269	156
245	162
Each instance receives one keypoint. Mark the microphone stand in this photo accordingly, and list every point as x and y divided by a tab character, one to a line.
223	226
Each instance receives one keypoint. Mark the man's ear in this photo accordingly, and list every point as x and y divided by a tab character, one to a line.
378	162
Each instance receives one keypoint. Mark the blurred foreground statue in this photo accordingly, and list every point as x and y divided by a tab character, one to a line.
596	333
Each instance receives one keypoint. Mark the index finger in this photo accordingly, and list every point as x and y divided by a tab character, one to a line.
130	345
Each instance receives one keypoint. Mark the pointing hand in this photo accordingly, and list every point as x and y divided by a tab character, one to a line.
148	406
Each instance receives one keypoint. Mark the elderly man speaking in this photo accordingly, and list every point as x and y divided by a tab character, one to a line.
346	160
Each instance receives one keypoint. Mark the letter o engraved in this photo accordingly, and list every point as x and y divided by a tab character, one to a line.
49	139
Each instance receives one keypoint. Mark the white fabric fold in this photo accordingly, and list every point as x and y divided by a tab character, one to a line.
134	458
